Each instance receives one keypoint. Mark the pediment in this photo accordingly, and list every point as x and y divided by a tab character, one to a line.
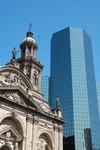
17	95
13	96
9	132
11	76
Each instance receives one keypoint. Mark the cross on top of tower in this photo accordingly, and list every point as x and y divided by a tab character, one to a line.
30	26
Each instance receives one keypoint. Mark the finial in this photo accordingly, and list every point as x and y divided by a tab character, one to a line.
30	27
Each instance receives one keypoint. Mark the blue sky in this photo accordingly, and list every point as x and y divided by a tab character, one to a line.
47	17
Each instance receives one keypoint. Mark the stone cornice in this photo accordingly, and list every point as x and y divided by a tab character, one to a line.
34	111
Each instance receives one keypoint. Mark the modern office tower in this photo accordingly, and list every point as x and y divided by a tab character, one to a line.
73	81
98	95
45	87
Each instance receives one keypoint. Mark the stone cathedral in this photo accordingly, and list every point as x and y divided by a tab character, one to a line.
26	120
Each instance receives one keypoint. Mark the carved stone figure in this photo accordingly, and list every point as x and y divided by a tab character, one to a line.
14	52
58	103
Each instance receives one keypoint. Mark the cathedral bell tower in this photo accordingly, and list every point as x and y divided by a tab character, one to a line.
29	65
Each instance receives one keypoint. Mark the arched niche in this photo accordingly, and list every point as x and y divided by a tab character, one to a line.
44	141
11	133
15	119
13	122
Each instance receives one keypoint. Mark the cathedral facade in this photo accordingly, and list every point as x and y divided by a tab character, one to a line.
26	120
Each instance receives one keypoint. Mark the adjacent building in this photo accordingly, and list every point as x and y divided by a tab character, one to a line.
73	81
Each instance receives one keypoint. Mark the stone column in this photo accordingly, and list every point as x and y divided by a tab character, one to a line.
35	131
31	74
23	68
26	51
29	122
60	138
32	51
55	136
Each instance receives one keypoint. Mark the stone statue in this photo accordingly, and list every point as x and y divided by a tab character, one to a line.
58	103
14	52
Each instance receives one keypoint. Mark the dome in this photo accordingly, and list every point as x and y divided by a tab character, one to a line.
29	39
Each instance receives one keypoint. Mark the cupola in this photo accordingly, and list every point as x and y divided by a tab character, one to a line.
29	46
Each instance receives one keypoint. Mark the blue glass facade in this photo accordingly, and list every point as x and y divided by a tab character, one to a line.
98	95
45	87
73	81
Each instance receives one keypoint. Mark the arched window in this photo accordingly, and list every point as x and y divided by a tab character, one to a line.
35	80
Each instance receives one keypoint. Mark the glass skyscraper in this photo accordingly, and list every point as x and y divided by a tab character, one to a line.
45	87
73	81
98	95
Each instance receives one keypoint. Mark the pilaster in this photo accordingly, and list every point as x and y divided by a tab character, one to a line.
56	136
35	131
29	124
60	137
